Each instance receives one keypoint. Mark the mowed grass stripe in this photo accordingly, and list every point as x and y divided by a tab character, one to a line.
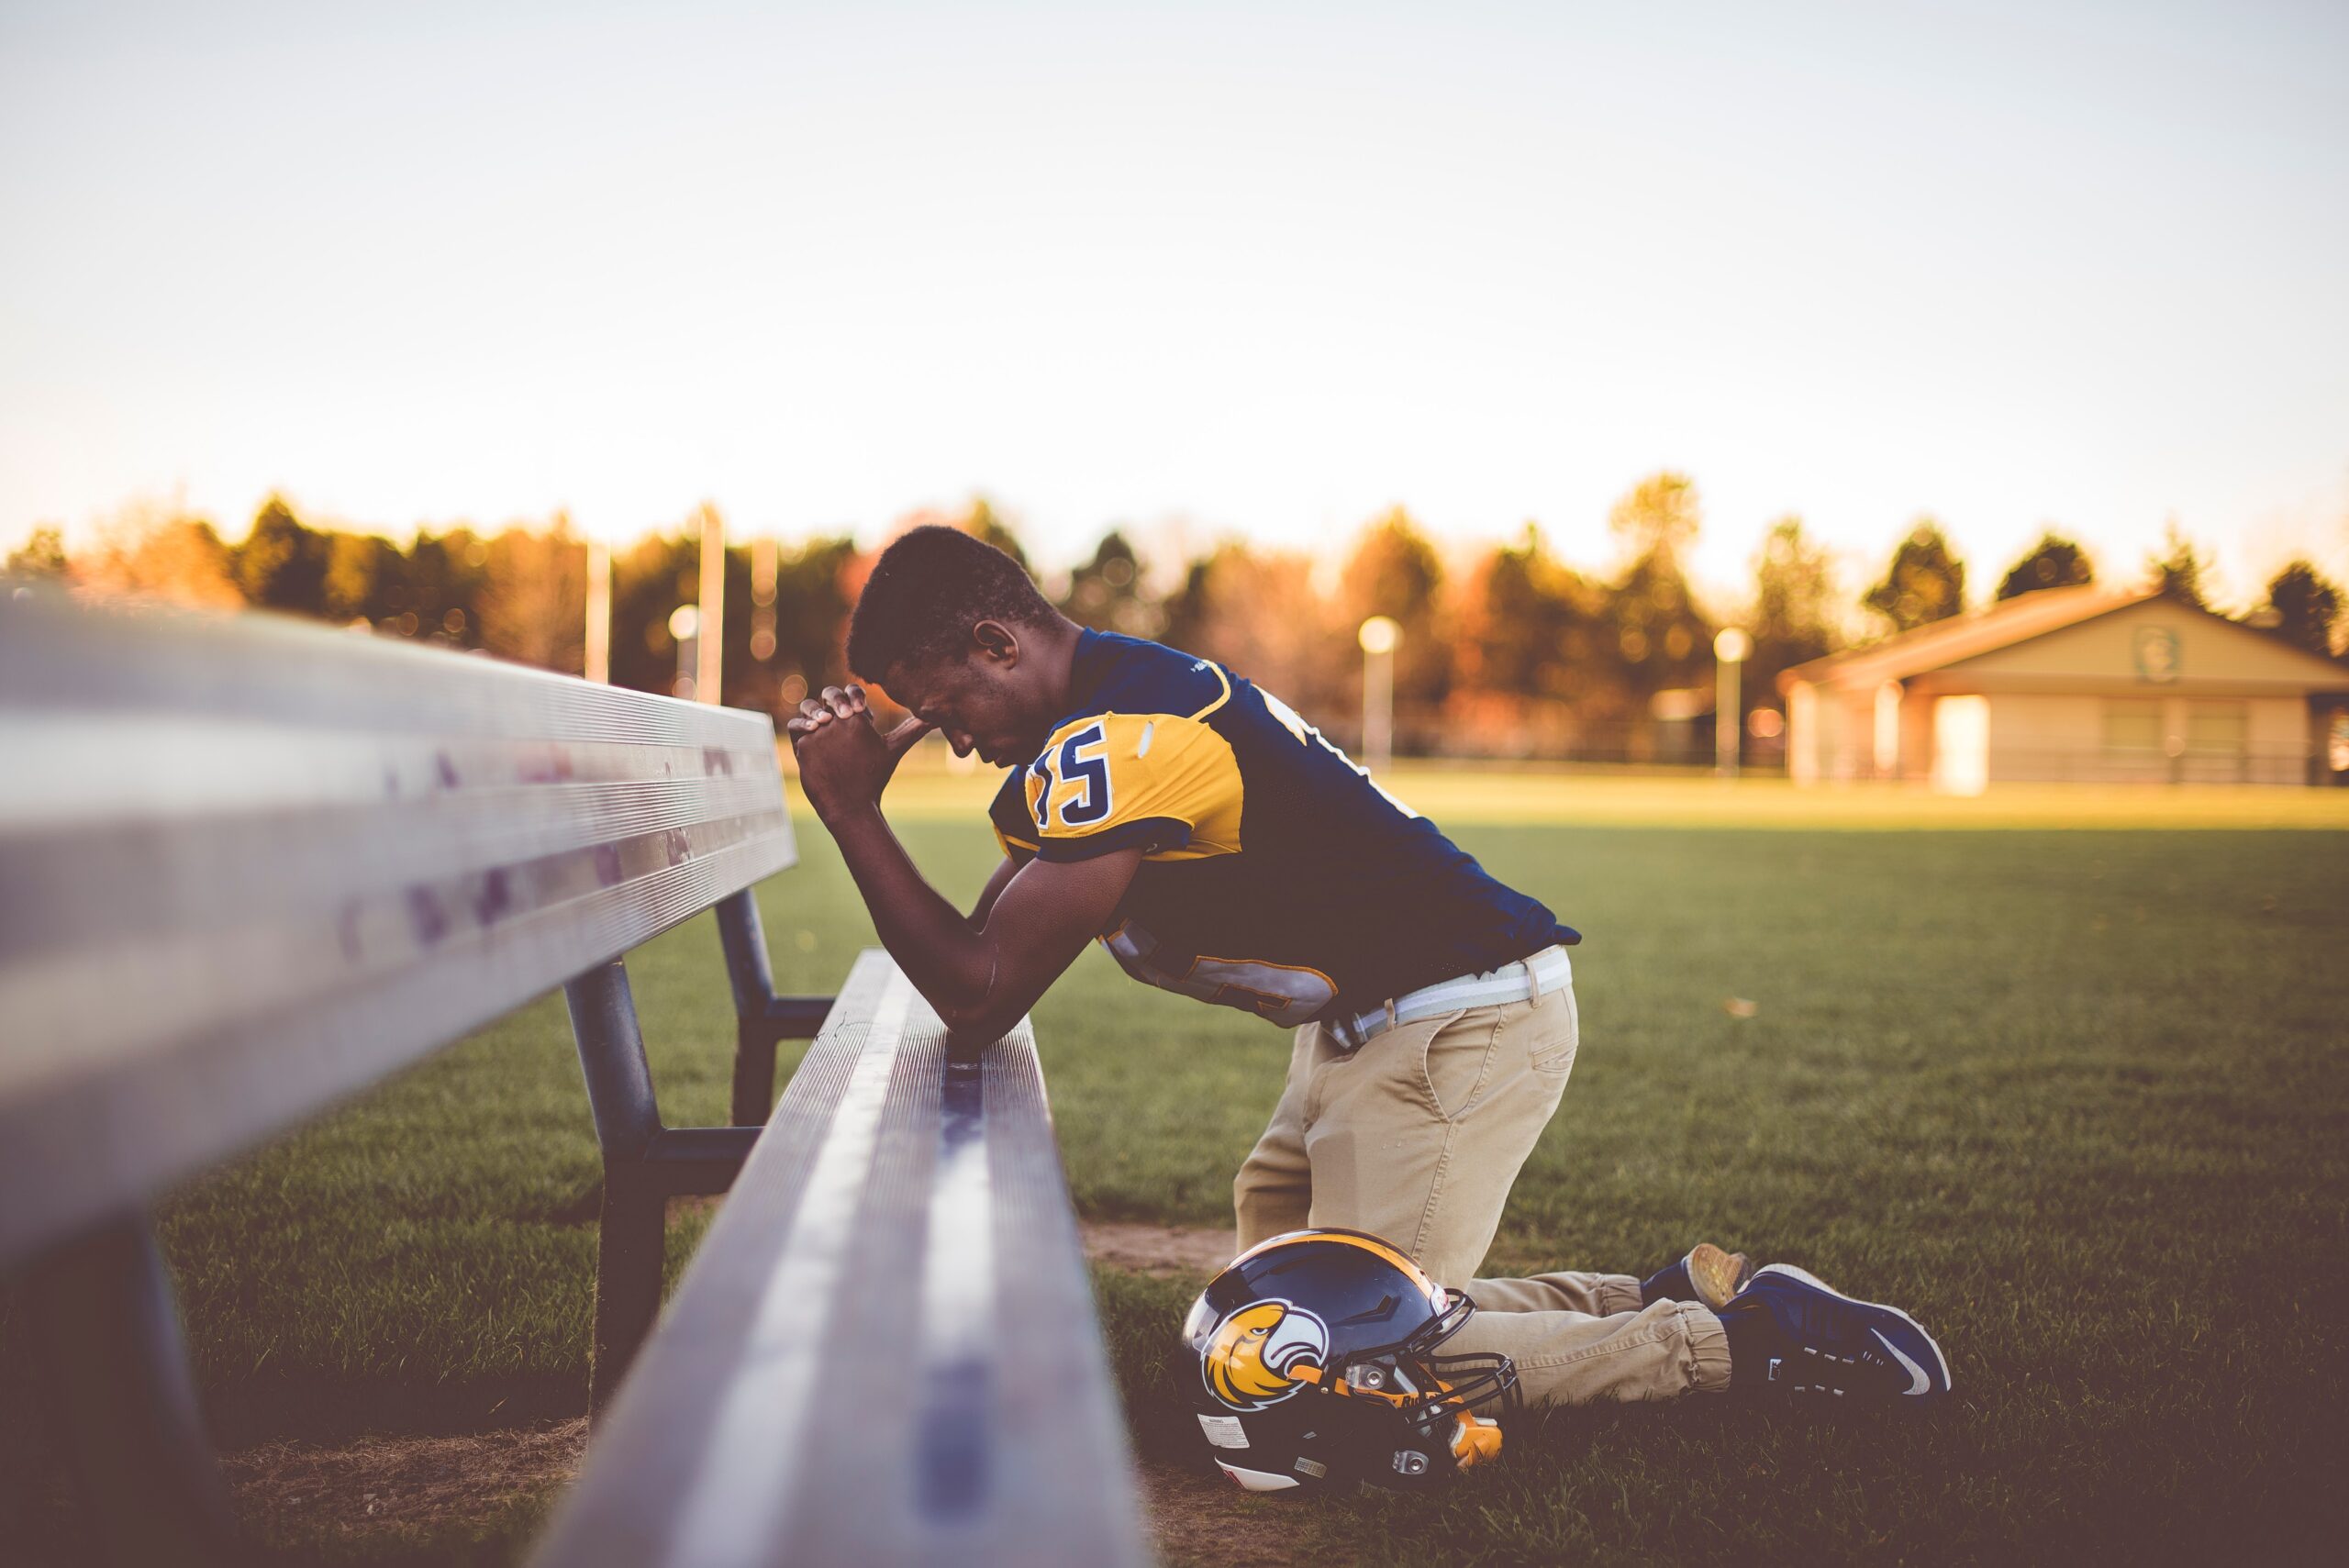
2077	1099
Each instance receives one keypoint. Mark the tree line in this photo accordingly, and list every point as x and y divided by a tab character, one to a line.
1516	652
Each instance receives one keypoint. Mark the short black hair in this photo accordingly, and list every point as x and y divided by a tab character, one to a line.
928	590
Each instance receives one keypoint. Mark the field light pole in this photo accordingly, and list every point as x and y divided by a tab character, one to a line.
1730	649
1378	637
686	626
597	663
763	576
710	634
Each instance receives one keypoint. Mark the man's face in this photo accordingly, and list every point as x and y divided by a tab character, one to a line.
976	702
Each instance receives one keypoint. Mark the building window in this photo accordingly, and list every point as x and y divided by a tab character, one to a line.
2217	729
2133	728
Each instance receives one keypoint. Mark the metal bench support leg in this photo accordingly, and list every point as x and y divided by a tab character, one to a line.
126	1401
645	1164
627	1282
628	1124
745	940
753	1073
760	1017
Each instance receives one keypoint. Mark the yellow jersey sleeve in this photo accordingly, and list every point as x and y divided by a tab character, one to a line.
1117	780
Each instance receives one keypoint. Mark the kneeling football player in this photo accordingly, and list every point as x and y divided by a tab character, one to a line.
1216	845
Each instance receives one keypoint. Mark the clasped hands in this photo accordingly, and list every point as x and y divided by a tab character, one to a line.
844	759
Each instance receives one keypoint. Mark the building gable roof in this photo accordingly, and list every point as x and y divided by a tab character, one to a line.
2002	626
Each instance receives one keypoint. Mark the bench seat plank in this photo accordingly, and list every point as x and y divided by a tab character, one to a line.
884	1350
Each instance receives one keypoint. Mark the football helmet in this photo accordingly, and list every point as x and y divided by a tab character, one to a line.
1317	1366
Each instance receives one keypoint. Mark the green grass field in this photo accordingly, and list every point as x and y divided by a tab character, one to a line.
2063	1073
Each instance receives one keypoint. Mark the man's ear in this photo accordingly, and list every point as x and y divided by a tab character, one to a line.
996	643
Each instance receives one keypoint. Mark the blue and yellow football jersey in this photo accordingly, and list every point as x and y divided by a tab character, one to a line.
1276	875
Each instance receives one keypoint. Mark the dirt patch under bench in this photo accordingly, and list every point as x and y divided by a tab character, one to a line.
356	1487
1142	1248
1195	1519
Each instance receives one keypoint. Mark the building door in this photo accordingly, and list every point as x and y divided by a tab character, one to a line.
1961	745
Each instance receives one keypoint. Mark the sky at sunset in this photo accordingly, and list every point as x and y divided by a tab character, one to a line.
1257	269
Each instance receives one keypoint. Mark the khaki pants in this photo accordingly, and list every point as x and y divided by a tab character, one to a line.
1417	1138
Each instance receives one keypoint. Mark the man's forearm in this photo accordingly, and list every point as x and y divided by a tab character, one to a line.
949	963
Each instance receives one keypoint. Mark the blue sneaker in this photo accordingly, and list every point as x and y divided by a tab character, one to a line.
1789	1333
1707	1275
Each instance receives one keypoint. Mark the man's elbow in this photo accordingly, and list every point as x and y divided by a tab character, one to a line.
972	1028
958	989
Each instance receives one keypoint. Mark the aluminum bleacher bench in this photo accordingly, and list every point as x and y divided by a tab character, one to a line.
886	1350
249	867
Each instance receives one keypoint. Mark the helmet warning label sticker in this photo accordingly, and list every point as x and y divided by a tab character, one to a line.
1224	1432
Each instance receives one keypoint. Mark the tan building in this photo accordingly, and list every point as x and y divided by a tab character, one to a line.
2082	683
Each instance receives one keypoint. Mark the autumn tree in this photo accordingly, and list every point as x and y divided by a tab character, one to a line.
984	523
2306	607
1925	583
41	555
1661	642
533	600
2179	568
160	555
1659	516
1529	624
1259	613
812	601
366	578
282	564
1532	650
2054	562
440	594
1394	572
650	579
1106	593
1793	618
1190	610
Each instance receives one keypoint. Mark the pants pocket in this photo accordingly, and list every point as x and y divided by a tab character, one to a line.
1456	1062
1553	1034
1556	1064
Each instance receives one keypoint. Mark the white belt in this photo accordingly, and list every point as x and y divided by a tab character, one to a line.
1524	981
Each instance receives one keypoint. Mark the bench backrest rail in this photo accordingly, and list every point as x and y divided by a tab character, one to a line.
247	867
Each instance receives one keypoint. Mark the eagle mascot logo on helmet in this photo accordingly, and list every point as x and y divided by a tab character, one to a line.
1251	1360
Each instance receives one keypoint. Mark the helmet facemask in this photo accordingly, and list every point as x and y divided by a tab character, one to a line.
1430	1427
